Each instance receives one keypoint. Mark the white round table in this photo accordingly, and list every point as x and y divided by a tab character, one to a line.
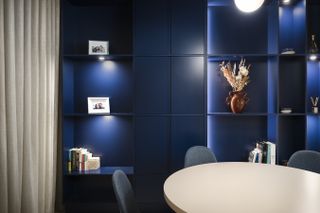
243	188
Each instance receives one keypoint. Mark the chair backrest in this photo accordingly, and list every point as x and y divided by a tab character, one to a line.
305	159
124	193
199	155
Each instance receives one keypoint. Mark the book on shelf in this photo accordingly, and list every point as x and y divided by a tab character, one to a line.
272	152
80	159
264	152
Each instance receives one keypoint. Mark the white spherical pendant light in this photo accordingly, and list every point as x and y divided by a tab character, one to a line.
248	6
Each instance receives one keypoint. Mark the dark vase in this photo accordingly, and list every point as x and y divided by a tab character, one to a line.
237	101
313	45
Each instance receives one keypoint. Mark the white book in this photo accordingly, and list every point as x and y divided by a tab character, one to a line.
272	152
252	156
258	155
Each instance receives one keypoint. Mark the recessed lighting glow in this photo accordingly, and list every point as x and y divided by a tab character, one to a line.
107	117
101	58
313	57
109	65
286	1
248	6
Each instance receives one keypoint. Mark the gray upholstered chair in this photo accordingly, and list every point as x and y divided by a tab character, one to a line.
305	159
124	193
199	155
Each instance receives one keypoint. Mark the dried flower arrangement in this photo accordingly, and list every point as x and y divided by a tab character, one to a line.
237	80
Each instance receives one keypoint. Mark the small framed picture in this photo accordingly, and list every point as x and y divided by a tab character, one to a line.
98	105
98	47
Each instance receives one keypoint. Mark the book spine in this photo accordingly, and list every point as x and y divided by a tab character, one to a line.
251	157
73	161
265	152
273	154
69	168
269	153
82	162
260	154
255	157
77	160
85	164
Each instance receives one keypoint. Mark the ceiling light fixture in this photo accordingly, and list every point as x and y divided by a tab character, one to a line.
248	6
286	1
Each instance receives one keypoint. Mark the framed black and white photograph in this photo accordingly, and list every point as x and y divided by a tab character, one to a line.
98	47
98	105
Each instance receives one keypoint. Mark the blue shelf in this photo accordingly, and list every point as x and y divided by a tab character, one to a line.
96	57
292	114
168	55
166	114
129	114
294	55
237	55
259	114
313	114
102	171
91	115
239	114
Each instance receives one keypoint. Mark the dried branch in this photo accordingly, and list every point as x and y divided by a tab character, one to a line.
237	79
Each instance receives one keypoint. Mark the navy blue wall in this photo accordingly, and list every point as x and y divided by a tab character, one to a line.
169	66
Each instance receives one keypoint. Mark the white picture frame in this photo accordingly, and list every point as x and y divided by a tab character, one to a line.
98	105
98	47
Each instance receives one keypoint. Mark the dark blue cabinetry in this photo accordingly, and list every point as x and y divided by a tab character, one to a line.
152	145
155	78
152	27
187	85
187	26
167	94
152	76
187	131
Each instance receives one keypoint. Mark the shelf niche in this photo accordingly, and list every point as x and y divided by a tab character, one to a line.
292	80
313	82
254	33
110	137
86	20
93	78
313	17
292	137
233	137
292	19
263	75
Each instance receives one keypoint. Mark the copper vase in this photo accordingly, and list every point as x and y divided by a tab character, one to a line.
237	100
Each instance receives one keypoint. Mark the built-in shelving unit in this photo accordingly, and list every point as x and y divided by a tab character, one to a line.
277	80
155	78
166	92
109	136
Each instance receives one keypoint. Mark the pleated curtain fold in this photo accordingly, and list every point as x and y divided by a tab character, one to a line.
29	74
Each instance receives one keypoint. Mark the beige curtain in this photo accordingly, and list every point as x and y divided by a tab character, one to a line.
29	53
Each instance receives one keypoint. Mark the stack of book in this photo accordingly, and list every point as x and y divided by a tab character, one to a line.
265	152
81	159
